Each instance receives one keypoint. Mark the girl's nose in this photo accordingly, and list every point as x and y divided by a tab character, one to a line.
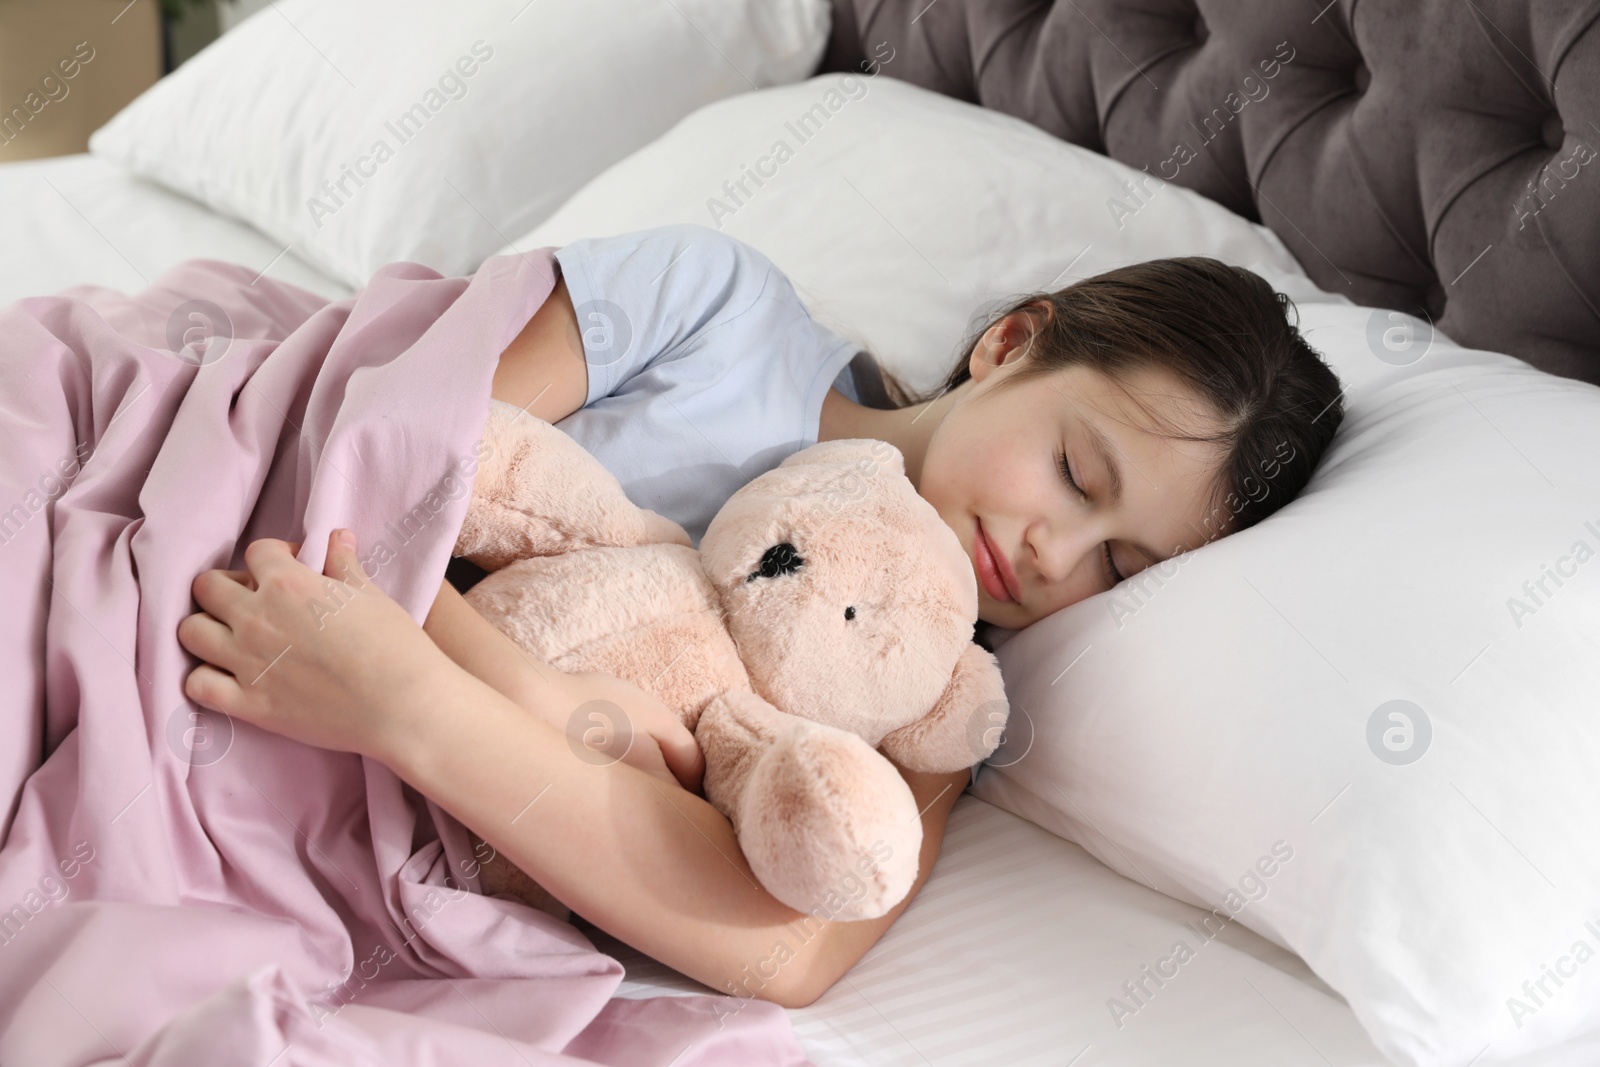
1059	555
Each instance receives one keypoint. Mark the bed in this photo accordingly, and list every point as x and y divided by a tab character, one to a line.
967	973
1013	951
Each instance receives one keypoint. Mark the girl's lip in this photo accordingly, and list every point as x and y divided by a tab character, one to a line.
989	568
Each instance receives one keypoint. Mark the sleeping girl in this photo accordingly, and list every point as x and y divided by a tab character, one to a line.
1083	436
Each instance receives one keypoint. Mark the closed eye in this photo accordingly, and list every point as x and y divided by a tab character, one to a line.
1111	572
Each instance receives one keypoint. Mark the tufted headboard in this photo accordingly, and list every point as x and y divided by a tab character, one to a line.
1439	157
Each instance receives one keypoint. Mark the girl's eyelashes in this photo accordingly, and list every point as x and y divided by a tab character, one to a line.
1066	475
1111	566
1112	573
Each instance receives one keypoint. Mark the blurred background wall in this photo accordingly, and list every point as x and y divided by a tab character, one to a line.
67	66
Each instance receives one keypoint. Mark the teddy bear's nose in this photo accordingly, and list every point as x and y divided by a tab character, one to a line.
779	559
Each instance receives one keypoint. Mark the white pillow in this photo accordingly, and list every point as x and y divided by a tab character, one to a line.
902	212
1373	681
440	129
1232	710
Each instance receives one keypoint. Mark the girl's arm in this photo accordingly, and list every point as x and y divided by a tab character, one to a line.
710	920
648	862
490	656
544	370
652	864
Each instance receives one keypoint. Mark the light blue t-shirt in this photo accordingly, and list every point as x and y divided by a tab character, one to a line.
705	370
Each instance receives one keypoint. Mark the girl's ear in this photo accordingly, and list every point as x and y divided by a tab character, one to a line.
1006	341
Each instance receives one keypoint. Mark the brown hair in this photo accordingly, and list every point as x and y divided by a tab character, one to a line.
1224	333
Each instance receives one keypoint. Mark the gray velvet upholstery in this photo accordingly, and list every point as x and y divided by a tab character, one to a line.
1440	157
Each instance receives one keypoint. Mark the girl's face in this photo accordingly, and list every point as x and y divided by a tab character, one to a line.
997	470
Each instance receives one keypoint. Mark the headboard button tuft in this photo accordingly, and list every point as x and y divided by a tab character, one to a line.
1553	131
1433	300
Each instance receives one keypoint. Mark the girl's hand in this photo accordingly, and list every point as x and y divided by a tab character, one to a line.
322	659
657	741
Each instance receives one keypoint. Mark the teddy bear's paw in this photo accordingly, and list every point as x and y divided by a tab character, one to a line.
829	826
537	492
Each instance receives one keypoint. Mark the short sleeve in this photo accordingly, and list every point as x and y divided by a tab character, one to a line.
705	366
642	296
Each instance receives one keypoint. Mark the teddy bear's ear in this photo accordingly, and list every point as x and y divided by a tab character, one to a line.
964	727
866	454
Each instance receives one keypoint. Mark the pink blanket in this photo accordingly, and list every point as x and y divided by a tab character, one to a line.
177	888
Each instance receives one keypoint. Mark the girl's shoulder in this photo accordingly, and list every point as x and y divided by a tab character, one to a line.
669	282
676	255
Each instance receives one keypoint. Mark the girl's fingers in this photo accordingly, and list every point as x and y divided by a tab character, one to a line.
244	578
268	554
222	593
206	638
213	689
342	563
683	757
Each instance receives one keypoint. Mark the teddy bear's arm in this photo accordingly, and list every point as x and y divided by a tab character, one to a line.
963	728
825	821
537	492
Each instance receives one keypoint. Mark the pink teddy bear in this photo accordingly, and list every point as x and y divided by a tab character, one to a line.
827	615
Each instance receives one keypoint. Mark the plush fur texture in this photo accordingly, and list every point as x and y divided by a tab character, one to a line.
827	614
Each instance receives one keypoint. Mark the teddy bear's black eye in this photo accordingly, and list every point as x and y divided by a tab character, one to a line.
850	613
779	559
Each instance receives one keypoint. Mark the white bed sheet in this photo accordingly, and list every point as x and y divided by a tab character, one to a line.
77	219
1011	952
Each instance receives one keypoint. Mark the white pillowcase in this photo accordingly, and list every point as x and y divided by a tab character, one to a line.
360	132
898	212
1395	678
1217	740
